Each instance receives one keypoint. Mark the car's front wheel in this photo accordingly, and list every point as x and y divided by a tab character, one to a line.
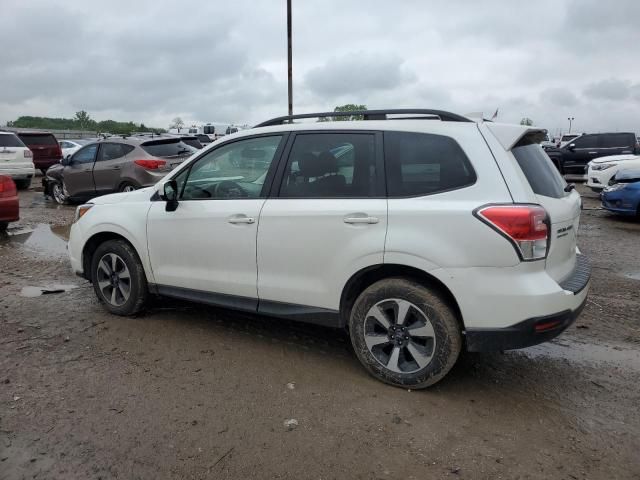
405	334
118	278
59	193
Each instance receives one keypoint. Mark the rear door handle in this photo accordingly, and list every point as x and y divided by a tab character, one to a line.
235	219
354	220
592	153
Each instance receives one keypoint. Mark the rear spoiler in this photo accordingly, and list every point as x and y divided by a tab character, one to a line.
509	135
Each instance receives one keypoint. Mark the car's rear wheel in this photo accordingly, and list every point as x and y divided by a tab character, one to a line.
59	193
404	333
3	226
118	278
128	187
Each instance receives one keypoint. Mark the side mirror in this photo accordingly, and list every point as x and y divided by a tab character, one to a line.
171	195
572	146
66	160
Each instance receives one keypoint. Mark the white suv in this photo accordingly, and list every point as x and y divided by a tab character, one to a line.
16	160
423	235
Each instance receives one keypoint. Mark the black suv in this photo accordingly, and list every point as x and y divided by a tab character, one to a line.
573	159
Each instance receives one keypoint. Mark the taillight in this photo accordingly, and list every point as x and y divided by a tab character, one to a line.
525	226
58	151
28	153
7	187
150	164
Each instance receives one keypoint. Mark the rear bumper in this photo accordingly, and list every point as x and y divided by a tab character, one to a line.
524	334
540	328
18	172
44	163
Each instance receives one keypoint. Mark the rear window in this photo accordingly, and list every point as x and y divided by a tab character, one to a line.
209	129
192	142
422	164
39	139
204	139
167	148
536	165
10	141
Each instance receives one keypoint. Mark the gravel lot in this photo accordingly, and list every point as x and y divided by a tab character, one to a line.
186	391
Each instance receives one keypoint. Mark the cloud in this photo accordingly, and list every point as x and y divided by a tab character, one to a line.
358	73
152	60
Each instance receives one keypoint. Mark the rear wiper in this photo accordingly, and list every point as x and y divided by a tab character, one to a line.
569	187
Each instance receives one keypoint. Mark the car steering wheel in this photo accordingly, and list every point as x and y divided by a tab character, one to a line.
229	189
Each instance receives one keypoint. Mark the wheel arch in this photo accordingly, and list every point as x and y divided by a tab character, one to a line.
92	244
365	277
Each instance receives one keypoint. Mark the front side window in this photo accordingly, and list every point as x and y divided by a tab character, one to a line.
586	141
331	165
422	164
86	154
235	170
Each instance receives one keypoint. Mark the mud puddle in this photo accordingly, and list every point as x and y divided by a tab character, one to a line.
586	353
31	292
633	276
43	239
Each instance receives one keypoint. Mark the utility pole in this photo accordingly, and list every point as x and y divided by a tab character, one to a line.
571	119
289	58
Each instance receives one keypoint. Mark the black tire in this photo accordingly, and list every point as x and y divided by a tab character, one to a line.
138	289
58	192
127	186
4	226
426	306
23	184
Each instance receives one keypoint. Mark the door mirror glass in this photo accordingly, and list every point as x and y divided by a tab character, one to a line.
171	195
572	146
66	160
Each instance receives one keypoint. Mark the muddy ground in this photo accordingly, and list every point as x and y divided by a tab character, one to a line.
191	392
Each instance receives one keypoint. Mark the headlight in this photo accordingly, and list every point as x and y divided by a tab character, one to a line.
615	186
603	166
81	210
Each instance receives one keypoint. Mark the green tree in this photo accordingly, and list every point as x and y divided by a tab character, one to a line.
526	121
83	119
349	107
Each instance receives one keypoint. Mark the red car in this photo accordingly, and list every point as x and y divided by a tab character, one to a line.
9	209
46	149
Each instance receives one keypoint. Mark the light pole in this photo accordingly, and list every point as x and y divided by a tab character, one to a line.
289	57
571	119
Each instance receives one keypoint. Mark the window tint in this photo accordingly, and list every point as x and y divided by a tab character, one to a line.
235	170
536	165
85	154
422	164
586	141
192	142
209	129
111	151
39	139
10	141
170	147
331	165
611	140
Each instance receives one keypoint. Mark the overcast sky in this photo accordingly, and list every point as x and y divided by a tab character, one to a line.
226	61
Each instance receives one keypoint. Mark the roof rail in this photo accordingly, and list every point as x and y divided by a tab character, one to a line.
372	115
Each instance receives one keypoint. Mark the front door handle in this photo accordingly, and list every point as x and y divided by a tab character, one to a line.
235	219
592	153
352	219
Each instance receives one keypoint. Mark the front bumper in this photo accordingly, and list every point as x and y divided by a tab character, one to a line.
537	329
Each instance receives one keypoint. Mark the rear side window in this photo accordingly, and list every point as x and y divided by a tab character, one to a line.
44	139
192	142
10	141
112	151
331	165
422	164
536	165
612	140
167	148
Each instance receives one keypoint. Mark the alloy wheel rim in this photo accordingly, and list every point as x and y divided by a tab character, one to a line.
399	336
58	193
128	188
114	279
